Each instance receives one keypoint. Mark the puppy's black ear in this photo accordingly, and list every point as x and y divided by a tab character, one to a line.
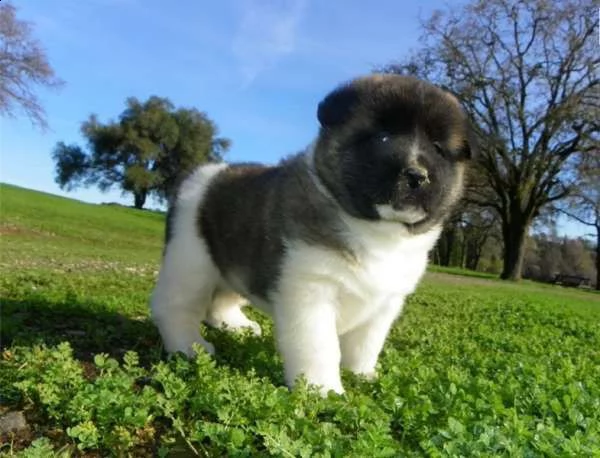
337	107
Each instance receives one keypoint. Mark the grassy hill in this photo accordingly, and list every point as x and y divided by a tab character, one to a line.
473	367
39	226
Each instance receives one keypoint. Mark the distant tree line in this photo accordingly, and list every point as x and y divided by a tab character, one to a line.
546	255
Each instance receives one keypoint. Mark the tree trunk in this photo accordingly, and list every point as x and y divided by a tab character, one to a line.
476	259
463	251
447	239
473	252
514	233
478	249
139	198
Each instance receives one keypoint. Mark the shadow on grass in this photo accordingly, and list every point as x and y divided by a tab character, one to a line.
86	326
90	329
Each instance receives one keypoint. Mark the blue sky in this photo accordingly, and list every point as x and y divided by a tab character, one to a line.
257	68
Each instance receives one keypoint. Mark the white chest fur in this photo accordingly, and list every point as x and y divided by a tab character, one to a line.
388	265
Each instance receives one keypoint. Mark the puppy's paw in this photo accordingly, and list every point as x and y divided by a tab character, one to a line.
254	327
370	375
322	385
238	322
190	349
208	347
324	391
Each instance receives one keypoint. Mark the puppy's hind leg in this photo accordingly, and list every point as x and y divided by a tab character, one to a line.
226	312
183	295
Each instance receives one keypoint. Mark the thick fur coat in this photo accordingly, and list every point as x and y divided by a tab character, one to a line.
329	242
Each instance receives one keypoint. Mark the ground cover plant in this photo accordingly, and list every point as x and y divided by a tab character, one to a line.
474	367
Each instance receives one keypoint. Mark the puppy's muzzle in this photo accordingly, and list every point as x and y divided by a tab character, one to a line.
416	177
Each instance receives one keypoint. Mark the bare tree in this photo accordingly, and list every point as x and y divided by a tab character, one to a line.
524	70
23	65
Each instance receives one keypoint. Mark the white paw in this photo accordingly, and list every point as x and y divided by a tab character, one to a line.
188	349
325	390
208	347
369	375
255	328
360	368
323	384
237	324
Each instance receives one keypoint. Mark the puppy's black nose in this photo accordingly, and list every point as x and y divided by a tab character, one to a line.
416	177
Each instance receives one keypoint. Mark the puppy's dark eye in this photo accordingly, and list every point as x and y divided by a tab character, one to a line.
439	149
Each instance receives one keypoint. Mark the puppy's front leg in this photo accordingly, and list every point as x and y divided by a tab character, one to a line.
305	326
361	346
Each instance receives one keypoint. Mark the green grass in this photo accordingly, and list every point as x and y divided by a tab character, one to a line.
472	368
42	229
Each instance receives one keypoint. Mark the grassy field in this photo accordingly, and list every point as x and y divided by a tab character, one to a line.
474	367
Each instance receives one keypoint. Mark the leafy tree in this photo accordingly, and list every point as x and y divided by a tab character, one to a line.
527	73
146	152
23	65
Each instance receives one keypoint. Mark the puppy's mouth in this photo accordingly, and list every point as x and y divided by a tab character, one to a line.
407	215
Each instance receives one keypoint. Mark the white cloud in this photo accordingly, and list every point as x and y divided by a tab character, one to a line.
266	32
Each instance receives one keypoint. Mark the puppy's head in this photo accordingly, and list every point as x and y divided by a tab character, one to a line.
393	148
